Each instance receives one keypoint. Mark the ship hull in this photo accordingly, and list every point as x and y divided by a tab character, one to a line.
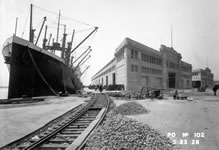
34	72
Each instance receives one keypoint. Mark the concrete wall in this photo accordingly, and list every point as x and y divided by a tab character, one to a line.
107	70
138	79
172	63
133	77
120	68
129	72
204	76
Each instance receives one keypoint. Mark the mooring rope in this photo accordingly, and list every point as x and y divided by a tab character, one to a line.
39	72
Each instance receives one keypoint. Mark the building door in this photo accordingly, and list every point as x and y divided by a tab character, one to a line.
196	84
114	78
172	80
106	80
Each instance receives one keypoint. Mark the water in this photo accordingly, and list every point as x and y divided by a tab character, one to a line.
3	93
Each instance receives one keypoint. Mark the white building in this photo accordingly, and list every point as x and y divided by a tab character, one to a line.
136	65
202	78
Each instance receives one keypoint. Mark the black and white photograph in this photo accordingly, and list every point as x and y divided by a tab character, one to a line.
109	75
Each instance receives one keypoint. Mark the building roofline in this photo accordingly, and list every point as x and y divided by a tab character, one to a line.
103	67
129	42
186	63
198	69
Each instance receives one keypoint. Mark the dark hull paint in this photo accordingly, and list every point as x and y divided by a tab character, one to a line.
25	78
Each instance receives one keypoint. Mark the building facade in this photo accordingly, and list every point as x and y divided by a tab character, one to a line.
136	65
202	78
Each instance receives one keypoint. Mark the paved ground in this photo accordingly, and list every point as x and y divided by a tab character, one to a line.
197	118
17	121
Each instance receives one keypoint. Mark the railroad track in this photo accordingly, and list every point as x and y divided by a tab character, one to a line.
73	131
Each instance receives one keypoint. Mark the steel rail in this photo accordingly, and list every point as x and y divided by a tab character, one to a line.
36	132
81	146
50	135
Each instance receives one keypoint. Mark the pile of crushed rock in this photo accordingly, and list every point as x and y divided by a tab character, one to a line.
130	108
122	133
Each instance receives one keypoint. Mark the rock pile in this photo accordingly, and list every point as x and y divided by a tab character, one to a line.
121	133
130	108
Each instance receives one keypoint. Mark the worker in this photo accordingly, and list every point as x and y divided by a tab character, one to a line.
100	88
215	90
175	96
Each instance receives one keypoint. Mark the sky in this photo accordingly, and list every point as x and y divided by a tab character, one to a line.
195	27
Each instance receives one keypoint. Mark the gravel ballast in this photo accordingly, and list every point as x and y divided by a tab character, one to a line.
130	108
122	133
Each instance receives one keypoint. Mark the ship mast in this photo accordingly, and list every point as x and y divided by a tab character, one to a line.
45	40
57	37
31	32
15	32
95	29
67	60
63	43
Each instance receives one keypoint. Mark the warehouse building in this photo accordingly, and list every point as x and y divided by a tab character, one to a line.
136	65
202	78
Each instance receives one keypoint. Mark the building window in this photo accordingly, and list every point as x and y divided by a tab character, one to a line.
106	80
151	71
134	68
147	60
186	69
134	54
172	65
144	57
195	74
114	78
151	59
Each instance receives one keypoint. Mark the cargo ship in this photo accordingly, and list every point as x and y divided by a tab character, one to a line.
37	71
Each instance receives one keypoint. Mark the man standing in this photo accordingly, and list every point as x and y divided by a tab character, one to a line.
100	88
175	96
215	90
